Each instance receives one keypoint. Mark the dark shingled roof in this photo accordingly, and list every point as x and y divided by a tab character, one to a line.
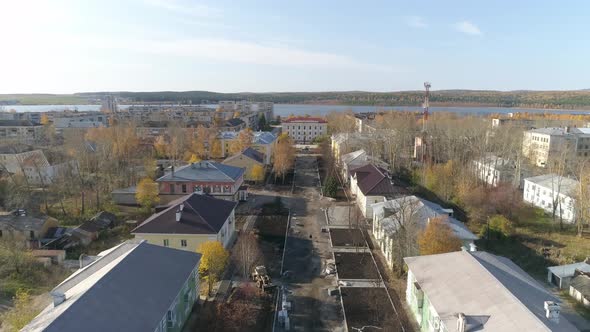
254	155
234	122
372	181
133	296
201	214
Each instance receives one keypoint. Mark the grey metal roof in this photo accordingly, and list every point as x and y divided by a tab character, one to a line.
581	283
565	185
202	214
130	288
206	171
422	210
482	285
264	137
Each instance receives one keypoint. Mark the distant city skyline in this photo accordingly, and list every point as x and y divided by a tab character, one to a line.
67	46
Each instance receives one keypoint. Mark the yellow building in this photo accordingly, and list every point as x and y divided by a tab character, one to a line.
248	159
262	141
189	221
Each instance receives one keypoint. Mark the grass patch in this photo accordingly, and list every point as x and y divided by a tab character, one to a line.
578	307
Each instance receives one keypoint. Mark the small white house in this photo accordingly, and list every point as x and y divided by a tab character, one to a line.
389	215
549	191
494	170
369	185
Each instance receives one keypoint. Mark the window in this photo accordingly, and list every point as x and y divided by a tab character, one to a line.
172	188
184	188
166	243
198	189
183	243
0	233
32	234
186	297
169	322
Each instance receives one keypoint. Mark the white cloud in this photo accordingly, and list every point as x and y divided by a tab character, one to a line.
227	50
416	22
467	28
186	8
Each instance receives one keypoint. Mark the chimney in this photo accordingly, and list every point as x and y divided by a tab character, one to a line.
172	170
552	310
58	298
567	129
178	214
461	322
472	247
181	206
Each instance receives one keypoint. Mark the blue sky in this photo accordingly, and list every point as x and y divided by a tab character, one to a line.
62	46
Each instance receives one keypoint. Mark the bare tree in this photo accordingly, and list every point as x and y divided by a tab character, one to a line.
248	252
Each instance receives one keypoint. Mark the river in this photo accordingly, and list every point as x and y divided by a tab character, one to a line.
302	109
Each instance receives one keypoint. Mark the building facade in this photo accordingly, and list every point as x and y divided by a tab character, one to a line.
552	192
304	130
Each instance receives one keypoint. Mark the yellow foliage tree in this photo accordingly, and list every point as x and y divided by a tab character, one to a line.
215	146
438	238
194	159
213	261
44	119
160	146
22	312
243	141
147	193
284	156
257	173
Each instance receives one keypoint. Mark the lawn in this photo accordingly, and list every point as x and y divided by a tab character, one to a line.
538	242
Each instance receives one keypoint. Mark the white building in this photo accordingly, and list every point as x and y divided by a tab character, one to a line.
352	160
546	191
305	129
494	170
545	144
388	216
81	121
467	291
22	131
369	185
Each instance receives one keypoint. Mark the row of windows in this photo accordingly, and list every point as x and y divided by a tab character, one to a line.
540	139
304	127
183	243
200	188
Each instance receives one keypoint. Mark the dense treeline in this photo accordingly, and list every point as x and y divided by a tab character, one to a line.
578	99
532	99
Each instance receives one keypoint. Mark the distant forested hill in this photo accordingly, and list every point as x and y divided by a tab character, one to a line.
578	99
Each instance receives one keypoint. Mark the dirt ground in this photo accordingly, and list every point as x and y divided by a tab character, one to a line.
271	239
344	237
355	266
368	307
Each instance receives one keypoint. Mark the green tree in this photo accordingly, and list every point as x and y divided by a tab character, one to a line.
331	187
262	125
147	193
498	228
213	261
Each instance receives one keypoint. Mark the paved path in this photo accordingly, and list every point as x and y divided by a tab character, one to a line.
313	309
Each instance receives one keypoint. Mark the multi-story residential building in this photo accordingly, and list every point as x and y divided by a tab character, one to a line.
477	291
35	167
494	170
511	122
109	104
264	108
133	287
304	129
262	141
22	131
388	216
189	221
208	177
552	192
79	121
546	144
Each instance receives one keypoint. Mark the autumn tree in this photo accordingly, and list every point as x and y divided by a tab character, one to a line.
147	193
257	173
21	313
243	141
213	261
284	158
438	238
160	146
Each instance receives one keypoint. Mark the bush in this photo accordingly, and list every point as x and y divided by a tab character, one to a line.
499	228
